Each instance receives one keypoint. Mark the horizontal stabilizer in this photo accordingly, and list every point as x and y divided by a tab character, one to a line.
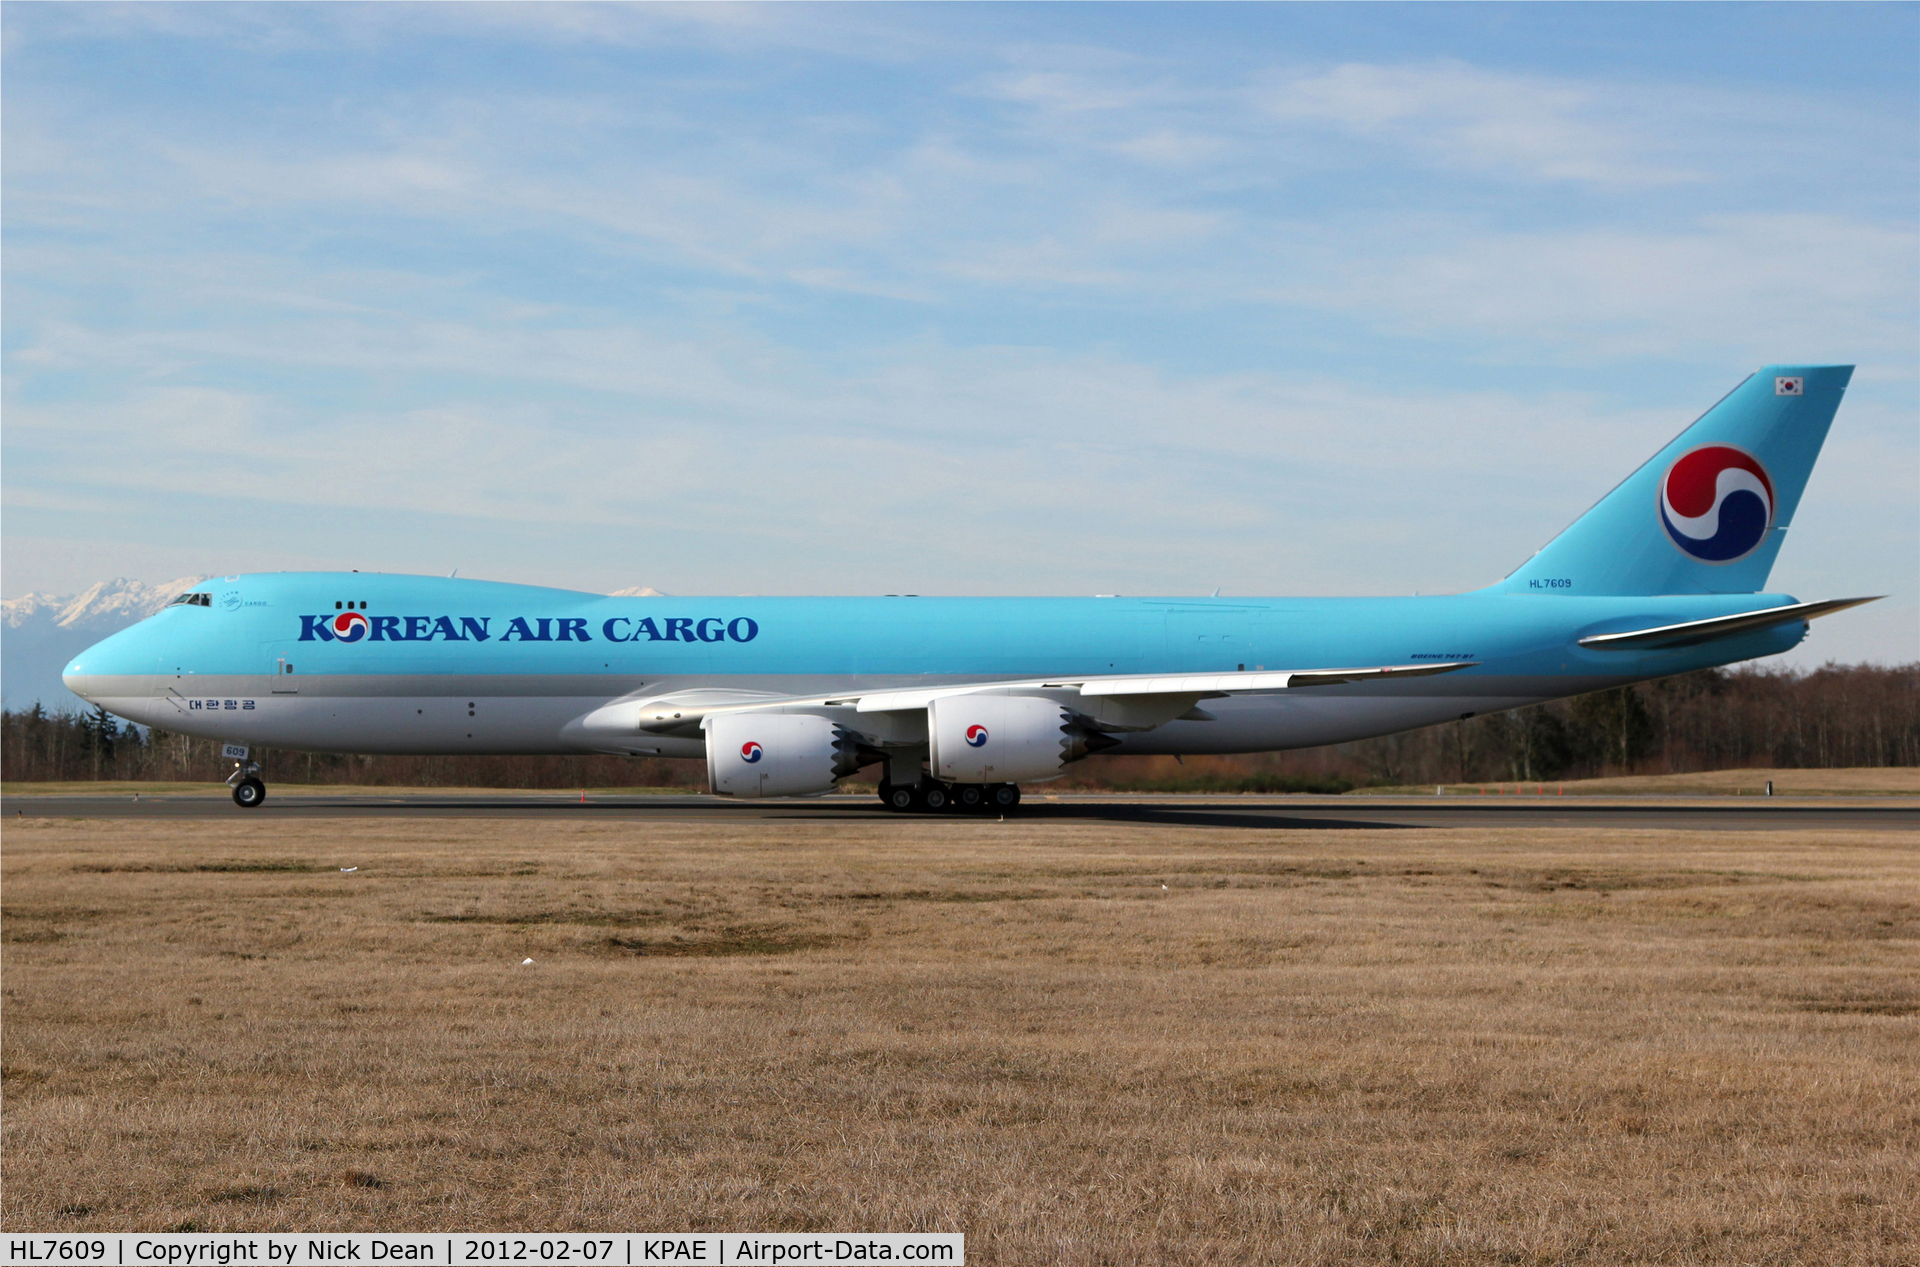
1687	633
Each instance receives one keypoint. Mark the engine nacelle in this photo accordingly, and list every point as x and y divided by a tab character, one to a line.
777	754
1005	738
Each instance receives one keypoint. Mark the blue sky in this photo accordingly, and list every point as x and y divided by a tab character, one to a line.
1139	299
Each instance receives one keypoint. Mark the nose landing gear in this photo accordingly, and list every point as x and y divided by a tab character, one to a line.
248	790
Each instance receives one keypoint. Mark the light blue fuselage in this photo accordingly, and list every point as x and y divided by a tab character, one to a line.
457	666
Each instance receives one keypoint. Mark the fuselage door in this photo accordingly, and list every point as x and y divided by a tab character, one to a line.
281	662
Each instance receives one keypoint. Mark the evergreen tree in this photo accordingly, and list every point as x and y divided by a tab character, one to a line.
1615	727
102	729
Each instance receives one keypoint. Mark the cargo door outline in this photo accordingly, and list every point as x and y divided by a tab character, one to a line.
1211	639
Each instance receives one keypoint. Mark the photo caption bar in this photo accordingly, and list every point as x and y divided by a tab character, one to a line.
471	1249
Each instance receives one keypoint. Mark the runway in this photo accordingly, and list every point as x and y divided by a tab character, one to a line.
1243	812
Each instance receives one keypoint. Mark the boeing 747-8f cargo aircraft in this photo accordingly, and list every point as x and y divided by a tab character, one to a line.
963	699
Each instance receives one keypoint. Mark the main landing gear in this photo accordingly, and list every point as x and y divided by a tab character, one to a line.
931	797
248	790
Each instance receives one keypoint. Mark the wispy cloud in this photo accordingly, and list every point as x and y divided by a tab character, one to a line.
1754	286
1044	298
1003	446
1452	114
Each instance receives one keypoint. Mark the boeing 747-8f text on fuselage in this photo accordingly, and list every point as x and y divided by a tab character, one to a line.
963	699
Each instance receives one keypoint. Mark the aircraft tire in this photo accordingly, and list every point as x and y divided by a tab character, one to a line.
934	798
897	797
248	793
969	798
1002	795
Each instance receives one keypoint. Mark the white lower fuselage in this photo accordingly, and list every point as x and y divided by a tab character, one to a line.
483	716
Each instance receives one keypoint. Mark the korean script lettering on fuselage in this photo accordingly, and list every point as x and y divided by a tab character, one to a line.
355	627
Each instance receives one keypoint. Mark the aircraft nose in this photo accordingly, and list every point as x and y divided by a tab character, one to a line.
84	673
134	652
75	677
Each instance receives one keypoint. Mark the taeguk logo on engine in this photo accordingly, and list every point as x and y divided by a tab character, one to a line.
976	736
1716	503
350	626
750	752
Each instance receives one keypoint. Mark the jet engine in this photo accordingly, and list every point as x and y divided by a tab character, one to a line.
1006	738
777	754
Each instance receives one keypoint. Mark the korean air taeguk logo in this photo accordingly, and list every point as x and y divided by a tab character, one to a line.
750	752
1716	503
349	627
976	736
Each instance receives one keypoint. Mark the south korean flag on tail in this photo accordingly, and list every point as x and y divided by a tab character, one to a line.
1789	386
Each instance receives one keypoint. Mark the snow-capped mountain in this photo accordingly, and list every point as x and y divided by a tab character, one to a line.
39	633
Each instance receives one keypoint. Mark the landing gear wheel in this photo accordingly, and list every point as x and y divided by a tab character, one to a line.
969	797
896	797
1003	796
933	798
248	793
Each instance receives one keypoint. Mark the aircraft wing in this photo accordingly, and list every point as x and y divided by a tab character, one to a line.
1129	701
1200	685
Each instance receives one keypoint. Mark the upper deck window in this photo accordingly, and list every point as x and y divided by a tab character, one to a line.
192	600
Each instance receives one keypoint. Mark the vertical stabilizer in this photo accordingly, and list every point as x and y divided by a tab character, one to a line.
1707	514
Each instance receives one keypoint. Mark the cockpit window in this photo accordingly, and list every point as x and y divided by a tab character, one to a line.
192	600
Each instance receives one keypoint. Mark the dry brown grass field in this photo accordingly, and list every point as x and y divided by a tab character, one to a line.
1867	781
1075	1042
